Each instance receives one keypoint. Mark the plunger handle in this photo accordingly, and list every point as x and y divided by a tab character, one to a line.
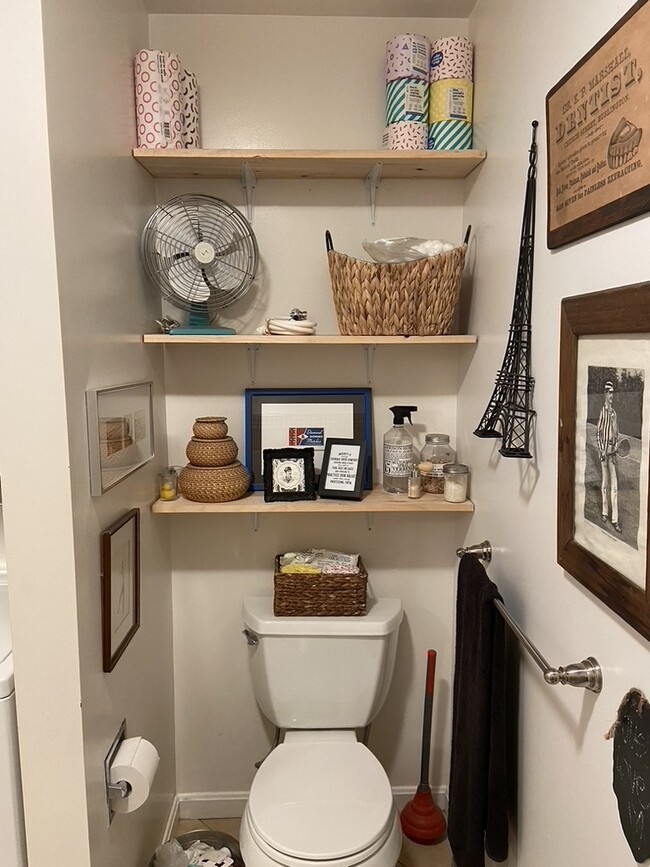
426	724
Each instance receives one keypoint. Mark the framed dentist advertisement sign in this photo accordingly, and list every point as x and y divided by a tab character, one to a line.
597	135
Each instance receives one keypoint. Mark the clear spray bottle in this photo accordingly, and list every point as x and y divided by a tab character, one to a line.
398	452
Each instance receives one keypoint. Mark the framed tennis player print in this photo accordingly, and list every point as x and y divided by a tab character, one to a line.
604	402
289	475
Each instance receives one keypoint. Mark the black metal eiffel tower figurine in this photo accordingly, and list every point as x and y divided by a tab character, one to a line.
509	413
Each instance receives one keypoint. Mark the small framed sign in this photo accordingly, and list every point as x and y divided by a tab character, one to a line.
289	475
344	464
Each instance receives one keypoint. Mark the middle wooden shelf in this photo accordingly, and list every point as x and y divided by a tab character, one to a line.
376	500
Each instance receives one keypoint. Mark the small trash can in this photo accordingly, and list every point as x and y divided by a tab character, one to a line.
216	839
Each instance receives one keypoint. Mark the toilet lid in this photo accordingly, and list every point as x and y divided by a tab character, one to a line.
321	800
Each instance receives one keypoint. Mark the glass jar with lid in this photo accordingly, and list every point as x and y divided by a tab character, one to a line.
436	453
456	476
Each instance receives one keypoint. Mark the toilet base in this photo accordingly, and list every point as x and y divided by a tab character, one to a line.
386	855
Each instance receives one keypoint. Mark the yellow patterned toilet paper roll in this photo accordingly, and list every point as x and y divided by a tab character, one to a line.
450	99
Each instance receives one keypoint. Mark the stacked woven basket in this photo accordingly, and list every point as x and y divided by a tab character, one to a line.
213	474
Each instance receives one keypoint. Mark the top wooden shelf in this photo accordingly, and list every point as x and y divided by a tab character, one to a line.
315	339
308	164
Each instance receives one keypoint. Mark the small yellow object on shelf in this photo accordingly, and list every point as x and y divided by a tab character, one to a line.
167	492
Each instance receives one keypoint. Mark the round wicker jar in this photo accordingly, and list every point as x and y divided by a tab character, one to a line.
210	427
214	484
211	453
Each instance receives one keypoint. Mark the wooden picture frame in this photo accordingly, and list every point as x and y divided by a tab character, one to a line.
602	495
120	557
289	475
278	418
120	433
598	144
343	469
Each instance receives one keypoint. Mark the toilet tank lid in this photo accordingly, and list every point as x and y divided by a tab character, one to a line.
383	617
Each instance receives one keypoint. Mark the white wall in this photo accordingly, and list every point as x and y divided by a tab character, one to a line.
270	81
565	764
78	306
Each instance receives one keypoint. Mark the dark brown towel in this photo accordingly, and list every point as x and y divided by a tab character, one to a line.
478	821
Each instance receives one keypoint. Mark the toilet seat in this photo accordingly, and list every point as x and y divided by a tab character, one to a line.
321	796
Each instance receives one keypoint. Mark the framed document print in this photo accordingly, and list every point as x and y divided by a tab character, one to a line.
343	469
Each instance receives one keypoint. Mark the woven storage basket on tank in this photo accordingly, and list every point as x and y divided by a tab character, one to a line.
409	298
210	427
211	453
214	484
299	594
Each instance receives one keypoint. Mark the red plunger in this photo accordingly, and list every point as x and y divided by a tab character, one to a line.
422	821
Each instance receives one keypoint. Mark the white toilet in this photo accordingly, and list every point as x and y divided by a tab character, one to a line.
321	795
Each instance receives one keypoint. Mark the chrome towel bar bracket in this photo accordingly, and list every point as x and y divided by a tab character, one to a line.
586	674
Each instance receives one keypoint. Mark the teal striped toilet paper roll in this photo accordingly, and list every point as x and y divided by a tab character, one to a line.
407	99
450	135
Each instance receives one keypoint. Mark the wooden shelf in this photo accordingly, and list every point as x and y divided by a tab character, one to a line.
308	164
316	339
376	500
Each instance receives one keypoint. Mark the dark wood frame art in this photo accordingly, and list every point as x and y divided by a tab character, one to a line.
295	455
110	656
592	98
621	311
356	493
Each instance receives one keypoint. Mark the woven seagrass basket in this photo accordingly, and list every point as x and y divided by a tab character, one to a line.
298	594
211	453
210	427
214	484
409	298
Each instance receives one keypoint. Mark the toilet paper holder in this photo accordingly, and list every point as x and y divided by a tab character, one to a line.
121	789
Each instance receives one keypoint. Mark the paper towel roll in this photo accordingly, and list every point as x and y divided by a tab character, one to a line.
408	56
450	99
135	763
452	57
407	99
159	117
450	135
190	108
405	136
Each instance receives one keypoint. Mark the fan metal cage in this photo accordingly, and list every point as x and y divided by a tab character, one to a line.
199	252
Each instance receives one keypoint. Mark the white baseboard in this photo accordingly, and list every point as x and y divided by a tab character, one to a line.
171	820
230	805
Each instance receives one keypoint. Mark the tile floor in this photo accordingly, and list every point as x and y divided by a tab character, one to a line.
412	854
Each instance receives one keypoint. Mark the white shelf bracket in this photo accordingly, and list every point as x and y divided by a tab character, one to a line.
248	183
373	179
252	361
369	520
370	357
255	518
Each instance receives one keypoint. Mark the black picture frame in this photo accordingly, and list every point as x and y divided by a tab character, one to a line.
275	418
343	470
120	557
289	475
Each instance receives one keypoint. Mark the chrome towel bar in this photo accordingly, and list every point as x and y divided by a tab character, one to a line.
587	674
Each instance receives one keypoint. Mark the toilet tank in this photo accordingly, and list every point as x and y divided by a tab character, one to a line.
321	672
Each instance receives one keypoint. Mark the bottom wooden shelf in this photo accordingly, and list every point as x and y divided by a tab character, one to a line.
376	500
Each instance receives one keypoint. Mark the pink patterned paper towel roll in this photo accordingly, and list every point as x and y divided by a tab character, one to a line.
407	56
190	98
406	136
159	117
452	57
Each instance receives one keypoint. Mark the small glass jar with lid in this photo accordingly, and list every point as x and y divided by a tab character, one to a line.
436	453
456	476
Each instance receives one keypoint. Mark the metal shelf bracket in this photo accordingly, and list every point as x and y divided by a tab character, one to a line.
248	184
252	361
373	179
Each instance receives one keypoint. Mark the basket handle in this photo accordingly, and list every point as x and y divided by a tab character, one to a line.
467	234
329	246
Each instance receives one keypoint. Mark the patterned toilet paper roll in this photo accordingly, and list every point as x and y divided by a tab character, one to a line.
452	57
408	56
190	107
450	99
407	99
450	135
158	106
405	136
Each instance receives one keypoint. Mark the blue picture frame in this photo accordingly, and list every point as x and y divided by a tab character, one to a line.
291	418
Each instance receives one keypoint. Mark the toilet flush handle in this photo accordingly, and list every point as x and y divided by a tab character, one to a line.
251	638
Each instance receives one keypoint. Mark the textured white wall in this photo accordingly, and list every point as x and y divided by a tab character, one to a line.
565	764
303	83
